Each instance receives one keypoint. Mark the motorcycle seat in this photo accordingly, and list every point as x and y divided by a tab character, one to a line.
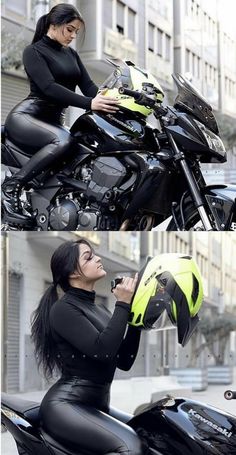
15	148
25	408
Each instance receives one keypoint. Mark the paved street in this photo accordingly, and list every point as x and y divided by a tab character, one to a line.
214	395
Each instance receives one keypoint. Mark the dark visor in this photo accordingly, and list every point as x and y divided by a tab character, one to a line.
185	335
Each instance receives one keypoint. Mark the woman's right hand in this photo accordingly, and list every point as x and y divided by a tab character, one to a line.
104	103
124	291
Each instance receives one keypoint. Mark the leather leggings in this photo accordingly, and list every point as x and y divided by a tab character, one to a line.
36	127
76	413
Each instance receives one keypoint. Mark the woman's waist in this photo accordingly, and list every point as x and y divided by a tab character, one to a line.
45	102
74	389
75	379
35	105
41	109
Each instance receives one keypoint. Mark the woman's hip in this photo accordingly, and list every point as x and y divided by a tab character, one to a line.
76	390
41	109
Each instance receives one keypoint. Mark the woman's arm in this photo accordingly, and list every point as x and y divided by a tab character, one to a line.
85	83
129	348
37	69
71	323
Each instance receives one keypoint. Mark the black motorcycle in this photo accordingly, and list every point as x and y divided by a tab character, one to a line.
124	174
171	426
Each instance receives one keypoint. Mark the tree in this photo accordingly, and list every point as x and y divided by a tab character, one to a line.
215	330
12	49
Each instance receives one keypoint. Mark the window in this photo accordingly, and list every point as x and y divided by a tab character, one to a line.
187	57
151	29
120	17
18	6
206	73
159	42
187	7
108	13
167	50
131	24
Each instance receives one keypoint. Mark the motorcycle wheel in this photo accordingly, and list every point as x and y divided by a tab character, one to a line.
192	221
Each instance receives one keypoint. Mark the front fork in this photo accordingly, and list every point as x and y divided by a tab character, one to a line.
193	187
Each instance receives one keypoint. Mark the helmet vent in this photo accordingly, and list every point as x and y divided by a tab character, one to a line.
131	315
138	318
195	291
186	257
163	281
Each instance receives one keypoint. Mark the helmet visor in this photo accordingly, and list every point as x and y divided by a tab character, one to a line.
185	335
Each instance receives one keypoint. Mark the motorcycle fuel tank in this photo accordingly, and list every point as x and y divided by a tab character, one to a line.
108	133
176	426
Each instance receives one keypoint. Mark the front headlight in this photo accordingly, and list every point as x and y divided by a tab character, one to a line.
214	142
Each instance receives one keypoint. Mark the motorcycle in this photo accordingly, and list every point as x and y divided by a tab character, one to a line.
124	174
171	426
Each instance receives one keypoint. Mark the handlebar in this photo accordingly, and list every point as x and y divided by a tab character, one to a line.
141	98
144	100
230	395
126	91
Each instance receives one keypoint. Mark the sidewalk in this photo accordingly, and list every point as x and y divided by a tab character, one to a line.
214	396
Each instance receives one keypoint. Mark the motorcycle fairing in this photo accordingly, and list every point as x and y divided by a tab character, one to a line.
180	426
221	200
13	156
25	434
222	203
189	137
161	177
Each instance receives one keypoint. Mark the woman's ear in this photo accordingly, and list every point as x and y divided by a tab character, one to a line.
75	275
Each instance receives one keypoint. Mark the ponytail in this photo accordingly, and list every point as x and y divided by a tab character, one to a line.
41	335
64	261
41	28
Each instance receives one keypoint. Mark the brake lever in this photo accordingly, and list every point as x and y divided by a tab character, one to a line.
145	100
115	282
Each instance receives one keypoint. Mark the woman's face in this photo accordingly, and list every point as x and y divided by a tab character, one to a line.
90	264
65	33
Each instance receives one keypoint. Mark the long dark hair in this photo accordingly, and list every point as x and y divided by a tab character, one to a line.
64	261
58	15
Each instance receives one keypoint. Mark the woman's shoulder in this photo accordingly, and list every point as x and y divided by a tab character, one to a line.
31	49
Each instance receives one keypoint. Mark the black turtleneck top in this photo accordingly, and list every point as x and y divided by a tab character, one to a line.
54	71
91	342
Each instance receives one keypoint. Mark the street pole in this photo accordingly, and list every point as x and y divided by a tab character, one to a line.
219	60
4	308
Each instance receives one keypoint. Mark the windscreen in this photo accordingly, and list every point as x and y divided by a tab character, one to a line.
190	100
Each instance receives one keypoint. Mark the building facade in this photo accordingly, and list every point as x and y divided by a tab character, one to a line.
26	274
164	36
185	36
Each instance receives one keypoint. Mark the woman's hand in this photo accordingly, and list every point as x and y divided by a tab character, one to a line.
124	291
104	103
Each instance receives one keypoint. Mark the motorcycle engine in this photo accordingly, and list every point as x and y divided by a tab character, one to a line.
67	215
101	177
107	173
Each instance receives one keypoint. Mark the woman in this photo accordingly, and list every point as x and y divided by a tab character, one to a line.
86	344
54	70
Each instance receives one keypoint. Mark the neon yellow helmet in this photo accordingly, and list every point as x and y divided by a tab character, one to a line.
127	75
170	282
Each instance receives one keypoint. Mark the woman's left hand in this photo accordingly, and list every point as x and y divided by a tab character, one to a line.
124	291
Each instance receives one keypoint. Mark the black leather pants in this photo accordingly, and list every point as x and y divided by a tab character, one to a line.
36	126
76	412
